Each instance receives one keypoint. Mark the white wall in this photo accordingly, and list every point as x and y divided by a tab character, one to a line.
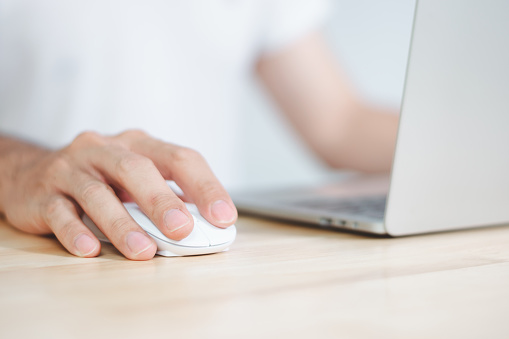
371	40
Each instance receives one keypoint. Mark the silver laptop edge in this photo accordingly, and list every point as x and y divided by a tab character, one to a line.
451	164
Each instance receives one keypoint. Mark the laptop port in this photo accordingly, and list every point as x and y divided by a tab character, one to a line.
325	221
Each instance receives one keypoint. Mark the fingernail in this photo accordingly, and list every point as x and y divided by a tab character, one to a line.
175	219
138	242
85	245
222	212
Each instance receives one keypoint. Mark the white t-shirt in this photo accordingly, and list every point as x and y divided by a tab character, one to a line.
172	68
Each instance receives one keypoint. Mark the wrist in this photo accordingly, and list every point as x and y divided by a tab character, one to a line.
15	156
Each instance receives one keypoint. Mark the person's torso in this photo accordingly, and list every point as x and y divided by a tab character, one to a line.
172	68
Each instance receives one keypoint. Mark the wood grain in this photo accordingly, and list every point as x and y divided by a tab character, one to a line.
278	280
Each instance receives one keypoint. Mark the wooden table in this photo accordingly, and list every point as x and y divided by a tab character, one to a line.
278	280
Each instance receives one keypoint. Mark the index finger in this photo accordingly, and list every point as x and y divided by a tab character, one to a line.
142	180
192	173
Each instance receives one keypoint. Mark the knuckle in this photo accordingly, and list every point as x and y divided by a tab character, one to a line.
162	201
121	225
93	190
54	206
133	162
133	134
185	154
210	189
88	138
59	164
128	138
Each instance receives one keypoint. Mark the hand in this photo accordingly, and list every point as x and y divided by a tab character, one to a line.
49	193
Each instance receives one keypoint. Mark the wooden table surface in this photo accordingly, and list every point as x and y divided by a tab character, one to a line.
278	280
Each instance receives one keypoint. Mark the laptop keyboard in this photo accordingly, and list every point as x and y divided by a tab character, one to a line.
372	207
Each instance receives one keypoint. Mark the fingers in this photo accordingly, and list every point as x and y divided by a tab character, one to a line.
192	173
100	203
137	165
144	183
61	216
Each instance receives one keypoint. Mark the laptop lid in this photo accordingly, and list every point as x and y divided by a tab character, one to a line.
451	166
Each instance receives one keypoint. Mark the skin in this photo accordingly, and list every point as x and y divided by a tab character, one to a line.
313	92
45	191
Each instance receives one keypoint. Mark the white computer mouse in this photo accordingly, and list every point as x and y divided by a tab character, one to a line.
204	238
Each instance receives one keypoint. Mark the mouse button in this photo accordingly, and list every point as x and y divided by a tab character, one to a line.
216	235
195	239
142	220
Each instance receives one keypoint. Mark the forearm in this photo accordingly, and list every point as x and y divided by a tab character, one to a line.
311	88
14	155
365	141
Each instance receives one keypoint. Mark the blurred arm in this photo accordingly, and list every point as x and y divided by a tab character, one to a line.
306	82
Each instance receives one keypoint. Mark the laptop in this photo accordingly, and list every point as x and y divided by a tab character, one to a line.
451	164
